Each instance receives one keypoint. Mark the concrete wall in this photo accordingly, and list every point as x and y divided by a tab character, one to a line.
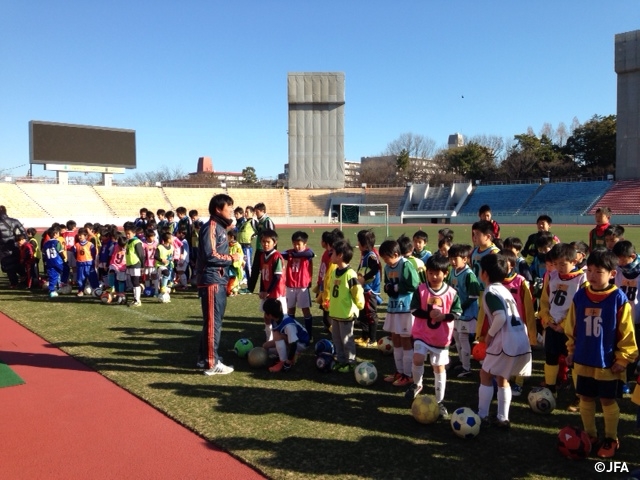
627	66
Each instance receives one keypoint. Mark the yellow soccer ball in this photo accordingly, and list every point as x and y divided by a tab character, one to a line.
425	409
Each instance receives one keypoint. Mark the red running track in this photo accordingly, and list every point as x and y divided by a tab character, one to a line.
68	422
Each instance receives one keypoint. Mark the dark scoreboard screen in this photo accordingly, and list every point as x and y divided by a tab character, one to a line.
59	143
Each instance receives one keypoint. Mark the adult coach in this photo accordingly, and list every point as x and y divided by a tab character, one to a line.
212	275
9	253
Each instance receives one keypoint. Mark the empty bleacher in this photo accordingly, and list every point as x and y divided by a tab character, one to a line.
391	196
623	198
275	199
503	199
126	202
309	203
191	198
18	204
63	202
436	198
572	198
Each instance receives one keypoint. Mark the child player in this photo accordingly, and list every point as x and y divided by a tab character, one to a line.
596	235
543	224
369	278
420	240
435	305
298	278
482	237
400	281
484	214
37	256
613	235
236	270
271	274
628	280
560	286
53	252
521	292
85	255
163	262
289	337
26	257
134	257
462	278
327	240
346	299
508	350
601	343
406	250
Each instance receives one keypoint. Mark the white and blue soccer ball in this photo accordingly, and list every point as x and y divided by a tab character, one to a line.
164	297
88	290
324	362
366	374
465	423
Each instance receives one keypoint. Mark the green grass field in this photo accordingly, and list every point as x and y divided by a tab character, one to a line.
306	424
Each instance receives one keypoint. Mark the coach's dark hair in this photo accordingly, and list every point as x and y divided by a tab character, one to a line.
218	202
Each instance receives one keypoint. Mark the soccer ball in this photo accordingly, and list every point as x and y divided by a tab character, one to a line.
106	297
65	289
366	374
574	443
324	346
45	284
257	357
243	347
479	351
87	290
97	292
148	292
164	298
324	362
385	345
465	423
541	400
425	409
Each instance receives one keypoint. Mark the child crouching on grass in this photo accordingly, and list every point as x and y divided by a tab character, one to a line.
289	337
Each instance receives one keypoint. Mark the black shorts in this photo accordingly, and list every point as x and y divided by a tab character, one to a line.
590	387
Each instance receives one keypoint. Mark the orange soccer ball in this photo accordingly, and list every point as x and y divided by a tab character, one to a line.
479	351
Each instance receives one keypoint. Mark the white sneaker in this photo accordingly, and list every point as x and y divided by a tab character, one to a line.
219	369
136	303
53	294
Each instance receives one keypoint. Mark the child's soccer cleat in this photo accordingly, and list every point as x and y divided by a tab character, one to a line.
502	424
608	448
361	342
516	390
219	369
277	367
136	303
412	392
345	367
464	373
53	294
444	413
403	381
392	377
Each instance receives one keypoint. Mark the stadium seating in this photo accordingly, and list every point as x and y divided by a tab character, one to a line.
391	195
191	198
275	199
309	203
623	198
503	199
62	202
436	198
18	204
126	202
573	198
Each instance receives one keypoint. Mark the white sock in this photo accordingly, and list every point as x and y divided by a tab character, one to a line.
407	361
397	358
281	348
440	383
485	395
268	331
136	293
464	350
417	371
504	402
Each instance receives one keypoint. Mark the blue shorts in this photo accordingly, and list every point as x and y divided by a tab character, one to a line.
590	387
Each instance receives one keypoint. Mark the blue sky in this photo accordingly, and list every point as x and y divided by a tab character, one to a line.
209	78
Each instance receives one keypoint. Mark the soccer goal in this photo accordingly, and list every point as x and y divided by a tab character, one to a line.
368	215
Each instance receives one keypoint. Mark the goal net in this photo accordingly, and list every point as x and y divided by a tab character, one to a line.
367	215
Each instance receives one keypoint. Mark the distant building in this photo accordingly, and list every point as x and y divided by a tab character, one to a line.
352	174
206	175
456	140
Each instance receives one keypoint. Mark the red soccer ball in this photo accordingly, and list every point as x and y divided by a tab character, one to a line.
479	351
574	443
